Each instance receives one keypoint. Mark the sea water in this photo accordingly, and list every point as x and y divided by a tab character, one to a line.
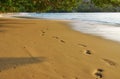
106	25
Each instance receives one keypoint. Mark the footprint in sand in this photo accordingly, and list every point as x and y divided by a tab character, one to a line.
14	67
87	52
43	33
55	37
98	73
109	62
62	41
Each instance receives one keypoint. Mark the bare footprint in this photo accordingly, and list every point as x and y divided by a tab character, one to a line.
58	39
55	37
98	73
43	33
88	52
109	62
62	41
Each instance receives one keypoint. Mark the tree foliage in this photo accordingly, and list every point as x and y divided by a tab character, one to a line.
37	5
58	5
103	3
99	6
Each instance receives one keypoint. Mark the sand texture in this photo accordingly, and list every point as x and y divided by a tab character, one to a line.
43	49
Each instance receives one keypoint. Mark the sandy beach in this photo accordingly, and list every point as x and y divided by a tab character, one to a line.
47	49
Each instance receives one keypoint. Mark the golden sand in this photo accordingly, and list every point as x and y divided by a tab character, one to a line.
43	49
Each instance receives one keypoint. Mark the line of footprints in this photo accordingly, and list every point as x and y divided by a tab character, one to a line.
98	73
62	41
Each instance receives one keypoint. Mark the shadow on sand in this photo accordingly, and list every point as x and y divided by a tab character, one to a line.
13	62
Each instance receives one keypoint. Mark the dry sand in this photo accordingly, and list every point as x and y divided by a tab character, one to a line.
42	49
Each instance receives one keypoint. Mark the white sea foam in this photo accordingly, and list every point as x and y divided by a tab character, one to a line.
11	15
21	14
111	32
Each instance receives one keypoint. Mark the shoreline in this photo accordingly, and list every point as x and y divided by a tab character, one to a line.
51	49
75	26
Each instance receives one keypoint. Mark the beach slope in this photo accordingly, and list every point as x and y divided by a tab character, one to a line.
46	49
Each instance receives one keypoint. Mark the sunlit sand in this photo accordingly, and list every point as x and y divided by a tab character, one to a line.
45	49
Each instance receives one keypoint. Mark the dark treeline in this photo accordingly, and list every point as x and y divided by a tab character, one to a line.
59	5
99	6
38	5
